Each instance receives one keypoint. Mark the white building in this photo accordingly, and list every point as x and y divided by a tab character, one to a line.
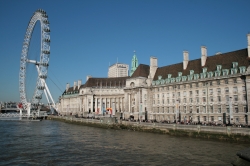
118	70
210	89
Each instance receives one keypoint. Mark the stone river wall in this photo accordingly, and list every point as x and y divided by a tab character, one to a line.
228	133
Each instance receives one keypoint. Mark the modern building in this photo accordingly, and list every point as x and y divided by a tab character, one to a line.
210	89
118	70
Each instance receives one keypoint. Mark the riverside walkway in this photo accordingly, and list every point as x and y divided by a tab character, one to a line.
227	130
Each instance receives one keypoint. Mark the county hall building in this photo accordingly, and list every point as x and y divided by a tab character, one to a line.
213	88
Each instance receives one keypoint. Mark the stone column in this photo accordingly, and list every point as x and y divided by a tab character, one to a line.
129	104
92	100
95	104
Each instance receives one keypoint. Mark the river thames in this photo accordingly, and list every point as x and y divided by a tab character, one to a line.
57	143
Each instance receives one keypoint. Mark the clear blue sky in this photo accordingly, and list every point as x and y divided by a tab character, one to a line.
88	35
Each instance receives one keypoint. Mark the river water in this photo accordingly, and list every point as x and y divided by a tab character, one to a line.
58	143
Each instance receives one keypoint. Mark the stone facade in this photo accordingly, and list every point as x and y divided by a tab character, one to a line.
210	89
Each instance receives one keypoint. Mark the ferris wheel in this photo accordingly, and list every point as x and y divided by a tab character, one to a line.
41	66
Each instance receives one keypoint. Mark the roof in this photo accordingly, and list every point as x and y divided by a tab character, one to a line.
110	82
226	59
141	71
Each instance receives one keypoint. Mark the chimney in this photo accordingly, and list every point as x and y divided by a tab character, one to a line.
88	76
248	44
203	55
79	83
67	87
75	83
185	60
153	66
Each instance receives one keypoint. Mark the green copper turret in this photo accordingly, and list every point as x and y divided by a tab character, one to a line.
134	64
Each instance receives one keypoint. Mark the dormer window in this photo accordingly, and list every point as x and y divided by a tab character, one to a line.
168	80
242	69
178	79
234	71
191	72
179	74
204	70
219	67
169	75
172	80
217	73
184	78
159	77
210	74
225	72
190	77
196	76
235	64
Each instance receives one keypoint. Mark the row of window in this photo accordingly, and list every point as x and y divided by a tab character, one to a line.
197	92
197	99
198	109
210	83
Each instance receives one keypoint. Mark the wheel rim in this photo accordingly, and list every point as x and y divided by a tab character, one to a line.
42	66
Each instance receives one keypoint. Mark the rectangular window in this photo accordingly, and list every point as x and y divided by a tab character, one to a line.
228	110
184	100
197	109
190	100
173	100
211	109
204	109
218	90
204	118
197	99
210	91
168	101
226	81
219	98
204	91
219	109
184	93
204	99
226	90
227	98
218	82
236	109
179	94
190	93
211	99
168	109
191	109
235	89
235	80
212	118
190	85
235	98
185	109
197	92
219	118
